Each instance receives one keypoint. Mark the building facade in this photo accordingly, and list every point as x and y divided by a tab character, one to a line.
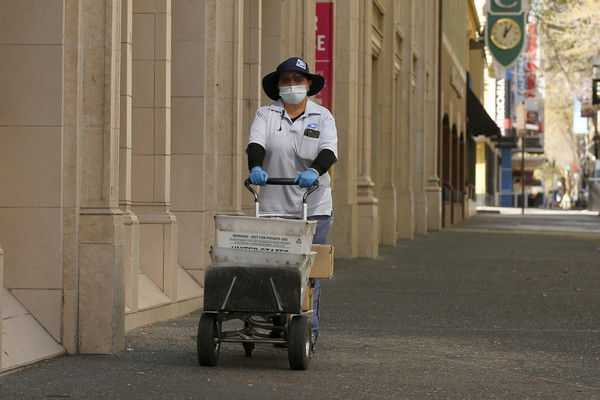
123	125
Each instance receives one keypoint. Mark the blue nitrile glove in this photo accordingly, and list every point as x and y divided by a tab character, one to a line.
258	176
307	178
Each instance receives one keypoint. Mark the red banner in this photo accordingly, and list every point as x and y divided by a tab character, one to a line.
530	69
324	52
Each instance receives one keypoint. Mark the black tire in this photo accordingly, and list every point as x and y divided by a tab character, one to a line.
248	349
299	342
207	347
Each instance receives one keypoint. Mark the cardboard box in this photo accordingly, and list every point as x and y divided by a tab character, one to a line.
322	268
323	264
307	304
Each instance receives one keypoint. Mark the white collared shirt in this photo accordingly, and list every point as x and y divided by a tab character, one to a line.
291	148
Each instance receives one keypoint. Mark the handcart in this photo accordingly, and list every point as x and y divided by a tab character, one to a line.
259	275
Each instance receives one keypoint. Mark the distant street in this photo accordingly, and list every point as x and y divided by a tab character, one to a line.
500	306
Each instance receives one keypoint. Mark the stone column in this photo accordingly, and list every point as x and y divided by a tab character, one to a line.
346	74
455	173
223	89
72	156
287	30
433	189
460	173
101	241
208	87
151	143
132	231
226	87
405	155
385	121
252	78
419	115
274	39
369	45
193	174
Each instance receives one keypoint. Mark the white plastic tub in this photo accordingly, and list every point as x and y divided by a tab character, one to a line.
278	235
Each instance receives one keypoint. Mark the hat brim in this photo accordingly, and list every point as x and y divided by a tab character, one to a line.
269	84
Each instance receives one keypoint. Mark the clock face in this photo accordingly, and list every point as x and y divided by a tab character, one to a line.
505	33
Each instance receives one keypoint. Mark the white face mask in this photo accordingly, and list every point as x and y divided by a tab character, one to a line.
293	94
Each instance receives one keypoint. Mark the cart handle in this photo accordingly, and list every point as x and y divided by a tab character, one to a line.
282	181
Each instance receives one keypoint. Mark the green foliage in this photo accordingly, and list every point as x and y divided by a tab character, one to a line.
569	45
548	9
569	31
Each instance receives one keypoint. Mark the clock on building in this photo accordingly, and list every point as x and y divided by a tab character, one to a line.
505	33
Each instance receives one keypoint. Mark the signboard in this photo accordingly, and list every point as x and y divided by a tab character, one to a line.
532	118
535	113
587	109
531	68
324	52
580	124
505	6
503	106
518	80
505	30
264	234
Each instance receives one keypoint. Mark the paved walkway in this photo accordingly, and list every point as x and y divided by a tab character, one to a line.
500	306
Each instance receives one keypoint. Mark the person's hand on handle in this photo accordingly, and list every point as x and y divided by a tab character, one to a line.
307	178
258	176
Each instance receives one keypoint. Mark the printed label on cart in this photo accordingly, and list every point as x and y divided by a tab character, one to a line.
262	242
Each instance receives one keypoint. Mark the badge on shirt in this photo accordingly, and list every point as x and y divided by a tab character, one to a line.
312	133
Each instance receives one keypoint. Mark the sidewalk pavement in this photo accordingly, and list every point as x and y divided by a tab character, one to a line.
499	306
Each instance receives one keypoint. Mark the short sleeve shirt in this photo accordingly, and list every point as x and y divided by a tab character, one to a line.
291	148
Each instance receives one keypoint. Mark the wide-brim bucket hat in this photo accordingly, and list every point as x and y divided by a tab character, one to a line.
269	82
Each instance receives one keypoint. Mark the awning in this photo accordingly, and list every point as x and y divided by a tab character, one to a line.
478	120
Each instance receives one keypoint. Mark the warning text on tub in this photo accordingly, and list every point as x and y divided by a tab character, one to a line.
261	242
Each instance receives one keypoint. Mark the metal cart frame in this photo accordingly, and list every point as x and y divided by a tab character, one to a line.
266	298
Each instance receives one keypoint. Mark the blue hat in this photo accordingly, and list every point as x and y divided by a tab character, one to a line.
269	82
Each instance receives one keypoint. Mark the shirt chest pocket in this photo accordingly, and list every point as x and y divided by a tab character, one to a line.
308	148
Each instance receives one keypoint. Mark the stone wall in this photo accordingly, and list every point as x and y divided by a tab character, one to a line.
124	126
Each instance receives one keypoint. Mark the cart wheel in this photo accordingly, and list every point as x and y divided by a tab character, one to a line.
208	345
248	349
299	342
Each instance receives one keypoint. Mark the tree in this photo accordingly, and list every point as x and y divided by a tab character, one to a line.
568	31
